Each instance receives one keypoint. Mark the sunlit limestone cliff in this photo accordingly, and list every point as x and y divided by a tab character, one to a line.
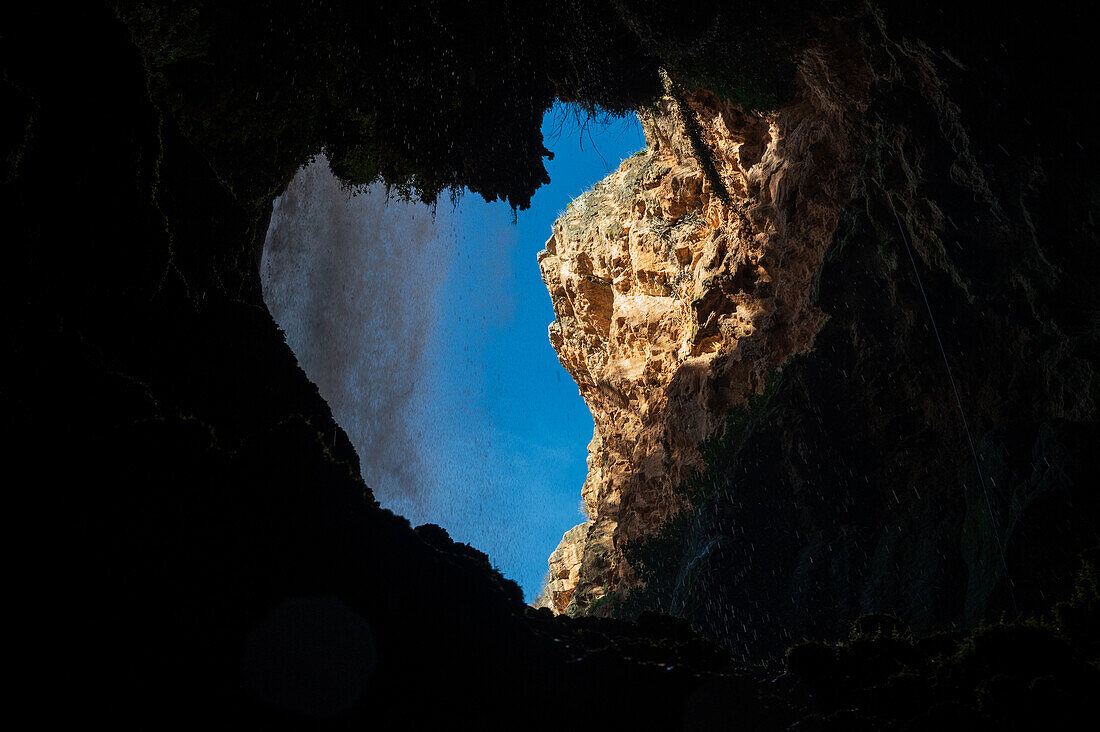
678	292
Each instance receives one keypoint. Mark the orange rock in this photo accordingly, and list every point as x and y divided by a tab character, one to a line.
672	306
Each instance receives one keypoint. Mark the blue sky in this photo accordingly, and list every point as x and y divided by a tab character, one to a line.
425	330
513	430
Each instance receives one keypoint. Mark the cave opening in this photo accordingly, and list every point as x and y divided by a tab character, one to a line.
192	547
424	328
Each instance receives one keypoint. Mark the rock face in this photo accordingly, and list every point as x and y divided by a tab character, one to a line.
928	453
678	291
565	569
